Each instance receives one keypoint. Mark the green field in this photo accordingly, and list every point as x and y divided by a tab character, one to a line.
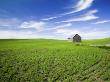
44	60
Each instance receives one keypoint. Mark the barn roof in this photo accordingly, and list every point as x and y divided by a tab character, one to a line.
73	35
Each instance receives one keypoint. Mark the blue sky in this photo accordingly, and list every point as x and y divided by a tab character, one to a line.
54	19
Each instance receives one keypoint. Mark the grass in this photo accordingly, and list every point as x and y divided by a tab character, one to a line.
98	41
53	61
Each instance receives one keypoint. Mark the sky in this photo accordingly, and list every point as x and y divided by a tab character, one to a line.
54	19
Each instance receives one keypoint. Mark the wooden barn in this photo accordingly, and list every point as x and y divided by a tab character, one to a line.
75	38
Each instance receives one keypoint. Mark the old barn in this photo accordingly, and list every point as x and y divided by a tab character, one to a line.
75	38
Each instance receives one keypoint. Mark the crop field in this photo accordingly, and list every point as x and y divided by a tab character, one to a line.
42	60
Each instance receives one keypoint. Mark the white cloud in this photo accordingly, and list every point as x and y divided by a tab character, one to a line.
17	23
94	34
81	5
91	12
64	25
101	22
67	32
33	24
60	26
86	17
10	22
15	34
6	34
62	33
50	18
82	18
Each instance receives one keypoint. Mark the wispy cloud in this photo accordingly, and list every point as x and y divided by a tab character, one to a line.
86	17
33	24
3	11
50	18
82	18
22	34
101	22
66	32
10	22
60	26
17	23
42	26
92	12
81	5
6	34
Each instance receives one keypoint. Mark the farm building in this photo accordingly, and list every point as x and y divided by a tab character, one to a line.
75	38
